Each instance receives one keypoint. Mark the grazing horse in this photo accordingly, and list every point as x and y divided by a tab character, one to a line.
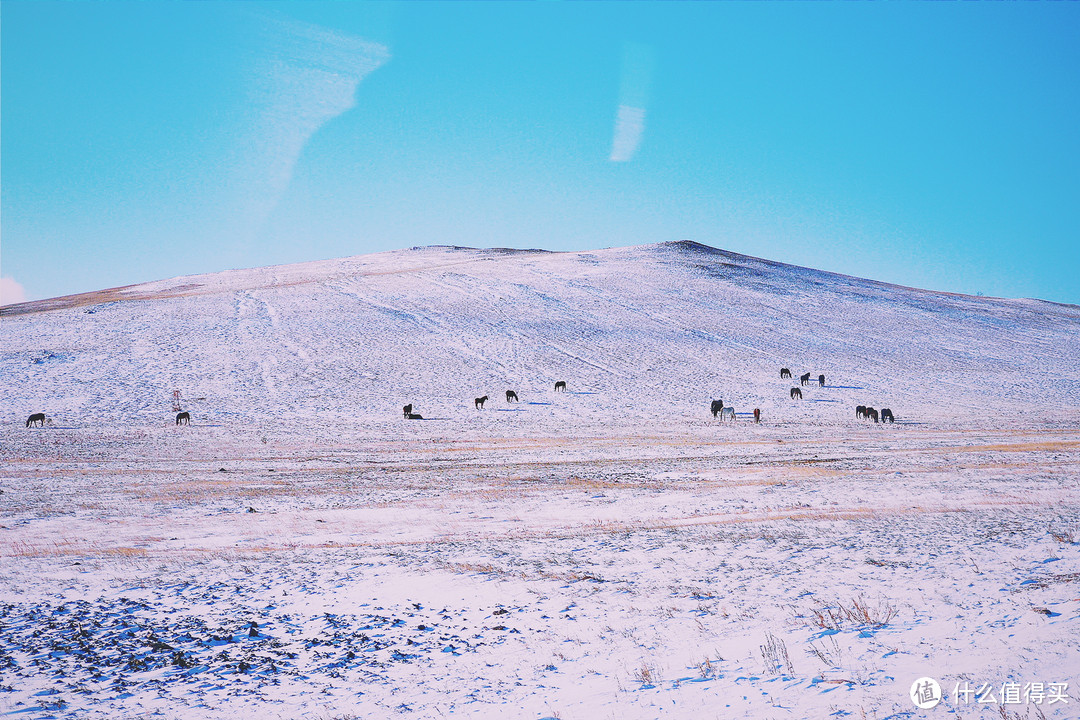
860	411
784	373
796	393
407	411
560	386
414	416
183	418
821	380
38	418
716	406
479	402
886	414
729	410
757	415
872	414
804	379
511	396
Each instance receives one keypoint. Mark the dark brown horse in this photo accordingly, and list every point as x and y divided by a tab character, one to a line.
716	406
183	418
479	402
784	373
796	393
407	411
511	396
757	415
560	386
38	418
804	379
871	413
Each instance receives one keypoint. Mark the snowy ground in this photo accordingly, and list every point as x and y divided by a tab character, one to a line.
301	551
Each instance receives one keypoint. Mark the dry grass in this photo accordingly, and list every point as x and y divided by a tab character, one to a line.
648	675
1066	536
775	655
568	576
709	668
857	612
829	653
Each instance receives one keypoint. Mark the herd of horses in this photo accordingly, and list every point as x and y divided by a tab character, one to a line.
869	413
478	403
716	407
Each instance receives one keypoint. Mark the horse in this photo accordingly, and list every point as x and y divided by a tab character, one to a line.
560	386
784	373
38	418
804	379
414	416
886	414
821	380
860	411
872	414
796	393
511	396
757	415
716	406
729	410
479	402
183	418
407	411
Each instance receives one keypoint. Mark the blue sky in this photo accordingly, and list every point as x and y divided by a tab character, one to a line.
927	144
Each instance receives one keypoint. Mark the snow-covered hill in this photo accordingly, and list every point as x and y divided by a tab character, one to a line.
303	551
643	333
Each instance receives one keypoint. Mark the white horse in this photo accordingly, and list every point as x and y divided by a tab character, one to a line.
728	410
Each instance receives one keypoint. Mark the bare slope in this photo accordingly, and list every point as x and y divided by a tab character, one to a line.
646	334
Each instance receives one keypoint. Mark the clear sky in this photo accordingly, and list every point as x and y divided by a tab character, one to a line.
927	144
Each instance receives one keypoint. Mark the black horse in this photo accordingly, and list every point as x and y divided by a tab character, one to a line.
804	379
821	380
784	373
796	393
38	418
479	402
407	411
560	386
716	407
183	418
511	396
872	414
886	415
860	411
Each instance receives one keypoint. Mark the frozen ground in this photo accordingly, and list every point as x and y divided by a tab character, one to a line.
301	551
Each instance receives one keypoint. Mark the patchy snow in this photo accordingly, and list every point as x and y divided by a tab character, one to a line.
302	551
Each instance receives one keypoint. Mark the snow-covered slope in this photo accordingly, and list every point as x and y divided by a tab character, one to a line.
302	551
649	332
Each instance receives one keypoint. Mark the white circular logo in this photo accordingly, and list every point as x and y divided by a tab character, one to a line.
925	693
